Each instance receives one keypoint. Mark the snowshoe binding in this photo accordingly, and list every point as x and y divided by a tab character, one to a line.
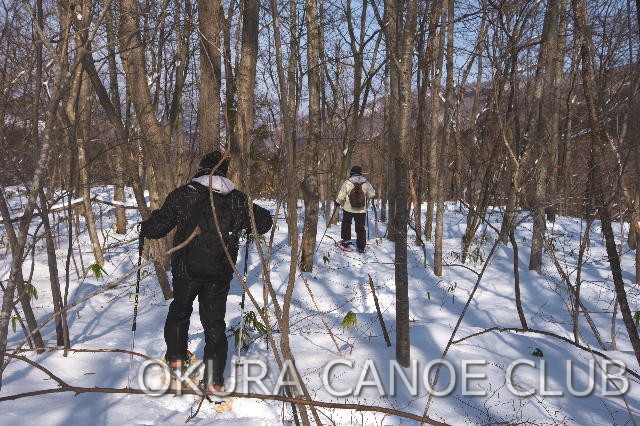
177	369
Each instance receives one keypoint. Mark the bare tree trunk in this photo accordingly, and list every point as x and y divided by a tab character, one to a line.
576	308
60	88
154	136
287	83
598	137
118	194
434	133
27	310
83	122
210	76
555	137
309	184
62	330
414	199
546	133
246	79
120	159
401	20
416	176
516	278
288	92
444	149
391	140
514	133
230	89
636	234
18	279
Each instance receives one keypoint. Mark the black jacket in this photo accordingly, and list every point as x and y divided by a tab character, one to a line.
184	207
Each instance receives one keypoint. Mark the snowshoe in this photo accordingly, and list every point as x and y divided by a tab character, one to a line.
345	245
177	370
220	403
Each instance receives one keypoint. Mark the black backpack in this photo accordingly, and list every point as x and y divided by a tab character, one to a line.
356	196
204	256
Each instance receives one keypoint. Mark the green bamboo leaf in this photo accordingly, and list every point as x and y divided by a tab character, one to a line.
258	325
252	319
14	322
236	335
350	320
97	270
32	292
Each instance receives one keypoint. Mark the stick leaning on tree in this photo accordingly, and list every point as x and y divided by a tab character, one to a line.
336	208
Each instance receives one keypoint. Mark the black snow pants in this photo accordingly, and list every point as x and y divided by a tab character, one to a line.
345	230
212	298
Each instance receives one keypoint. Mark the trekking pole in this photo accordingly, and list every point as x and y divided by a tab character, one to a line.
328	224
375	217
246	265
135	309
368	227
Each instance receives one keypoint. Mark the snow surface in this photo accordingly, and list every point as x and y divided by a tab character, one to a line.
340	284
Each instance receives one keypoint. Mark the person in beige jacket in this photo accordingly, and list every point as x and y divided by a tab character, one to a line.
354	197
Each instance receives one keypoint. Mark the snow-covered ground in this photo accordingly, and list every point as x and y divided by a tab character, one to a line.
340	285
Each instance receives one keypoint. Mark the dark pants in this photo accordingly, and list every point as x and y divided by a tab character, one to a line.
212	297
345	230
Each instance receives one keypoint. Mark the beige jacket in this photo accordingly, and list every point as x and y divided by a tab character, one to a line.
347	186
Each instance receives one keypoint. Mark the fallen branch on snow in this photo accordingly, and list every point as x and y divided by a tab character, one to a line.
65	387
545	333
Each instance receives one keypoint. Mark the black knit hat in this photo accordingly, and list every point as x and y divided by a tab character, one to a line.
355	170
210	160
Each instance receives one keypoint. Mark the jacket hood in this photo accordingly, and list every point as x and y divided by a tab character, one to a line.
219	184
357	179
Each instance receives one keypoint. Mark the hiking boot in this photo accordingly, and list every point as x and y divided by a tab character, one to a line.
212	388
215	388
176	370
345	243
361	251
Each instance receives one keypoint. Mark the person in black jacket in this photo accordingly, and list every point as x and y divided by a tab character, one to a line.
202	268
